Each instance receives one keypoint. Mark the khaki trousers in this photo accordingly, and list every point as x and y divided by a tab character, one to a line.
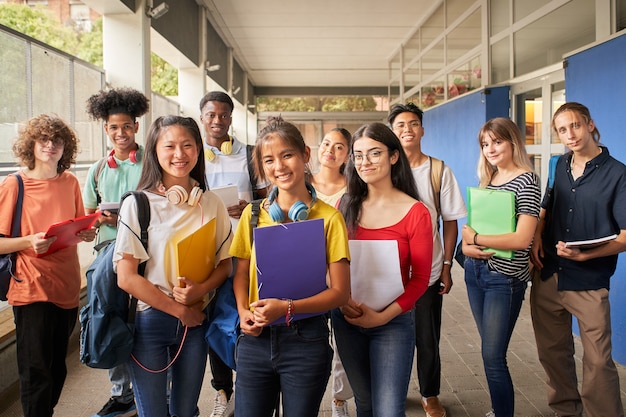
552	312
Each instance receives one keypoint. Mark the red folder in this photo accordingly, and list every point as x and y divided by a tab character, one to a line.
65	232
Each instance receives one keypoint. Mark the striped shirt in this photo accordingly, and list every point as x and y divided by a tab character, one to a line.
527	199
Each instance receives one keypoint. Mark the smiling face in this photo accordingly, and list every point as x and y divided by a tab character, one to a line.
282	164
408	129
574	131
216	119
177	153
333	151
121	129
373	160
48	150
497	151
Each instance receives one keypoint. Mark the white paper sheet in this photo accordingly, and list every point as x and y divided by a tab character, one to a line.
375	272
228	194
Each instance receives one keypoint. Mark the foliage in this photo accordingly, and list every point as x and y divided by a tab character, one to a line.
312	104
39	24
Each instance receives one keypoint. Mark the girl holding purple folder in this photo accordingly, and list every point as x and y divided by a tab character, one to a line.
496	286
291	357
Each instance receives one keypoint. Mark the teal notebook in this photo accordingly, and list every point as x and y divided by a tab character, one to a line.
491	212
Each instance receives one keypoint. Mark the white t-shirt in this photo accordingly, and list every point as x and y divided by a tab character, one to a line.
168	224
452	208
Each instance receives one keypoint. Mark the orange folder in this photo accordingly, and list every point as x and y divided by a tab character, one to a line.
195	253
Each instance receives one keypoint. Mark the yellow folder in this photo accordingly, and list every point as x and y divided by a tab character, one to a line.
491	212
195	253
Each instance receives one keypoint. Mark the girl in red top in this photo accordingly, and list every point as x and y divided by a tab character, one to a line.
377	347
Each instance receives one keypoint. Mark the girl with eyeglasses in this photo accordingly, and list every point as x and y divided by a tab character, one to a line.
45	293
292	356
377	346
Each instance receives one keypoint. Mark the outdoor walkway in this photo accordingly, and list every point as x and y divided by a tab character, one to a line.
463	390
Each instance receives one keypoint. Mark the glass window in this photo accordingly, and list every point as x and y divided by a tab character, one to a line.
529	115
465	78
432	28
498	15
50	69
500	61
558	99
412	77
522	8
432	61
454	9
620	13
432	94
411	49
464	37
544	41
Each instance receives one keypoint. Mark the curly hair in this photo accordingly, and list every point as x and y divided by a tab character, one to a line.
115	101
43	128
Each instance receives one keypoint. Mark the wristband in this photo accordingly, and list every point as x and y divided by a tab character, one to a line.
475	236
447	262
290	310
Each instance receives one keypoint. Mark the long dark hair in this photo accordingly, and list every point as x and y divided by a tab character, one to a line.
151	172
401	175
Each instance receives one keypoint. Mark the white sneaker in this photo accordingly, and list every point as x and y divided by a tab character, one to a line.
340	410
223	407
490	414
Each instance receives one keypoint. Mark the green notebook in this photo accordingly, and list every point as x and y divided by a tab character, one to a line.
491	212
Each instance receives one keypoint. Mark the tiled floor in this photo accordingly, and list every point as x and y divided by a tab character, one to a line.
463	390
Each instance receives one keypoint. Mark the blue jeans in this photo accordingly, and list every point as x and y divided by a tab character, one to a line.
495	300
378	363
157	338
294	360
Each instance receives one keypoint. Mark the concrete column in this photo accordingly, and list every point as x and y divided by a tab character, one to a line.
126	54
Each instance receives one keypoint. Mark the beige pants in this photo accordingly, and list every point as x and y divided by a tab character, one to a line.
552	312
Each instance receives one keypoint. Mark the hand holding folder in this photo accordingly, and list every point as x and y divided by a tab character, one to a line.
491	212
65	232
291	261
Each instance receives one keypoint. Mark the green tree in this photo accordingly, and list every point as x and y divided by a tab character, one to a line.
38	23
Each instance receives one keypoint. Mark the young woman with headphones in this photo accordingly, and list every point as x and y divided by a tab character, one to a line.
301	371
169	313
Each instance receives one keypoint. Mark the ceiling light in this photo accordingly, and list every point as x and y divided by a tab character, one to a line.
158	11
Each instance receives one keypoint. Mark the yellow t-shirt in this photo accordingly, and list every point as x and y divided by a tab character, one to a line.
335	234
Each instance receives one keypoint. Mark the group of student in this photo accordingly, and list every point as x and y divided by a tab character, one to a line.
376	184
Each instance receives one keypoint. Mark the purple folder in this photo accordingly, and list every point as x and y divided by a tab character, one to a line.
291	262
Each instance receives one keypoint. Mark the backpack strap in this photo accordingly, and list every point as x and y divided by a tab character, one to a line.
436	177
249	151
16	226
254	219
552	170
96	174
143	213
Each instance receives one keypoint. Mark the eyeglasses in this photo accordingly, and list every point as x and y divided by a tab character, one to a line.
372	156
414	124
56	141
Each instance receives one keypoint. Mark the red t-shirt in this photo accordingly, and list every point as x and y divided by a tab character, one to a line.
415	246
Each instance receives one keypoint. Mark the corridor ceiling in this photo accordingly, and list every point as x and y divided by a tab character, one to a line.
334	43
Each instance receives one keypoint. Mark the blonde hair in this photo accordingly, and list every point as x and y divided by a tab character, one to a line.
504	129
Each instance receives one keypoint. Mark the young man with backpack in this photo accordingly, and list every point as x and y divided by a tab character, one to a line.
227	162
439	191
107	180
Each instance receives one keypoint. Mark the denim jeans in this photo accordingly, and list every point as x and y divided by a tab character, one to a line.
120	381
378	362
157	338
292	360
495	300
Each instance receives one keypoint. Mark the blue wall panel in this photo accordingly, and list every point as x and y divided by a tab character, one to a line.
451	131
597	78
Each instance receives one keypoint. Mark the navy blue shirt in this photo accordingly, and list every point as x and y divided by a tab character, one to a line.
592	206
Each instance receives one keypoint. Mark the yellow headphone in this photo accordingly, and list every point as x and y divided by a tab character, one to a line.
226	148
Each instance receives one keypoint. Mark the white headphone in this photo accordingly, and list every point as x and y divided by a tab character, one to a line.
177	194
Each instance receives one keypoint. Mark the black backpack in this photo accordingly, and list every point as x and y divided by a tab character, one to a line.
108	320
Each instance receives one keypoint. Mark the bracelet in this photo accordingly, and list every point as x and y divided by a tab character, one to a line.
475	236
290	311
447	262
